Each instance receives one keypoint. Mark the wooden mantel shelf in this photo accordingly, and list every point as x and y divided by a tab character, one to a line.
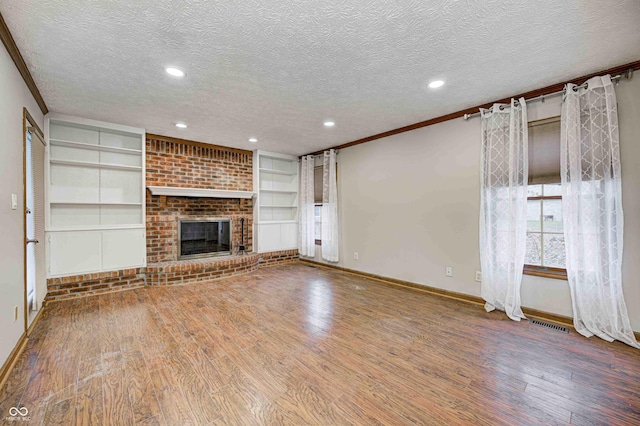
173	191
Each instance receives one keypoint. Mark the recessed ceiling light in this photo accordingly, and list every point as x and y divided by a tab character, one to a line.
181	125
174	72
436	83
253	140
329	123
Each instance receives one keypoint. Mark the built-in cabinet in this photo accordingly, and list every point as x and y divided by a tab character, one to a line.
276	203
95	217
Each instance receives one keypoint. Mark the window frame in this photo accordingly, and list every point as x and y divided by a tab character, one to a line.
545	271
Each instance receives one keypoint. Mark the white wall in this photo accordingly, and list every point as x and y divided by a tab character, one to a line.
409	206
14	95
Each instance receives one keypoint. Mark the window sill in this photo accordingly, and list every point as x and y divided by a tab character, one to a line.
554	273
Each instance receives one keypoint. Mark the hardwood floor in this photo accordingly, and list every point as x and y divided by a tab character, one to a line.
299	345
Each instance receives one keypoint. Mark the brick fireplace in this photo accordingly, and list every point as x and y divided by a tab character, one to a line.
188	166
162	221
183	164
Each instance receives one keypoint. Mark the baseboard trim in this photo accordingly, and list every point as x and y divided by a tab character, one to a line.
396	282
22	343
13	357
37	318
529	312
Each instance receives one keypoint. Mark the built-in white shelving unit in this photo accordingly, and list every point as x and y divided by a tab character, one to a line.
95	201
276	203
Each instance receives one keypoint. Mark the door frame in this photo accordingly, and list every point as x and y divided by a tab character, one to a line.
27	121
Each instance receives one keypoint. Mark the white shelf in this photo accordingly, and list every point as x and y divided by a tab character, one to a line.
198	192
270	222
82	203
95	165
105	148
97	228
277	191
278	172
277	156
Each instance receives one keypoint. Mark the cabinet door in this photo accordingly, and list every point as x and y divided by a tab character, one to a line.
288	236
268	237
74	252
277	236
123	248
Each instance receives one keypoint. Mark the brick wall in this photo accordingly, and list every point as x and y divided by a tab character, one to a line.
171	163
278	257
190	166
90	284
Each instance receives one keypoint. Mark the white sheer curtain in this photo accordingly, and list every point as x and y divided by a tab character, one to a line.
306	244
503	205
592	209
330	233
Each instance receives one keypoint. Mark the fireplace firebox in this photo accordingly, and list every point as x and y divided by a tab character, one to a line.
203	237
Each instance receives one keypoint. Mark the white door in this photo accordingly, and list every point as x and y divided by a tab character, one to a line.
34	220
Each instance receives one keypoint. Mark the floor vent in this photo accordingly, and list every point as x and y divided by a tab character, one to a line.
550	325
312	266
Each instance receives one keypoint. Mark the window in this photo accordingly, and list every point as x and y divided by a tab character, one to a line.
318	172
545	255
545	233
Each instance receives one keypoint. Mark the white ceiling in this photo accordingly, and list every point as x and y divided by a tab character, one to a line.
275	70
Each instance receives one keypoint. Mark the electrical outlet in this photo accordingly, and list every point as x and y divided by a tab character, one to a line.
14	201
449	271
478	276
16	311
355	255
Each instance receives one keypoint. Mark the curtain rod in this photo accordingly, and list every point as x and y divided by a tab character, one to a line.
620	69
615	78
319	155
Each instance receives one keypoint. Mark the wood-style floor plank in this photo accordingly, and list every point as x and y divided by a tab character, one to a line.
299	345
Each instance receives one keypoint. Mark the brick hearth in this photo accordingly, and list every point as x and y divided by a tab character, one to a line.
190	271
165	273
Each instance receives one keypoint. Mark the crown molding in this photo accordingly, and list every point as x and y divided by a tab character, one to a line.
621	69
12	49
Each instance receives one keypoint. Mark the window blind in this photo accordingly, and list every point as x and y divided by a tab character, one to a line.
544	151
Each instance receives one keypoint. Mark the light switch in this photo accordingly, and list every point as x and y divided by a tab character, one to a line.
14	201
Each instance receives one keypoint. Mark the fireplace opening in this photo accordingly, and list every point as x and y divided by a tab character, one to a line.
203	237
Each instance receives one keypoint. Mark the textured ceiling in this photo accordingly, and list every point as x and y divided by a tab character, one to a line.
275	70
